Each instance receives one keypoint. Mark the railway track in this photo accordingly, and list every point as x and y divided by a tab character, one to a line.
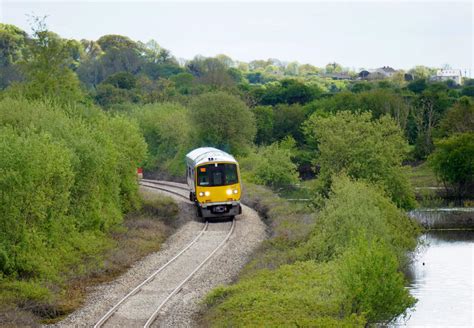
141	307
169	187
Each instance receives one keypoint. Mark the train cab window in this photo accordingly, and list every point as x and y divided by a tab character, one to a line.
217	174
217	178
231	174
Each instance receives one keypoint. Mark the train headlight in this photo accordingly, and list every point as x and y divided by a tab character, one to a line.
229	192
201	194
236	191
207	193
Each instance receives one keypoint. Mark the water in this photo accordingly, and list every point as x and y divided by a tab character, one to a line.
442	279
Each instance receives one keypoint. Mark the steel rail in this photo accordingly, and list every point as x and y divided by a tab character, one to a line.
177	289
164	183
164	189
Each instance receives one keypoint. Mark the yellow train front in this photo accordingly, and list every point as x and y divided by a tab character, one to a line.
213	178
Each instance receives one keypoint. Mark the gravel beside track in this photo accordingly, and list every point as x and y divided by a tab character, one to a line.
183	308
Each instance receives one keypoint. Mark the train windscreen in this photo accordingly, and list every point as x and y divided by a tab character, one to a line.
221	174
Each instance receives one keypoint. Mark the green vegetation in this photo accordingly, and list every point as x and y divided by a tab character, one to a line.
453	162
77	118
64	184
423	176
260	166
224	121
340	269
363	148
167	129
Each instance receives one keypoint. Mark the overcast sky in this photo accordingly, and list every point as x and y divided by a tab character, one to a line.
355	34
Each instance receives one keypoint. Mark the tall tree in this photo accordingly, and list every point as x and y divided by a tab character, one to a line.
363	148
224	121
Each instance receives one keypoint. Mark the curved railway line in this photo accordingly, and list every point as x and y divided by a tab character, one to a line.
150	296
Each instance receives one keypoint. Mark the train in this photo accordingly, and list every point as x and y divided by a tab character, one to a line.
214	182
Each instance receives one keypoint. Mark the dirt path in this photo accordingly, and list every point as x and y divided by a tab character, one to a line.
181	310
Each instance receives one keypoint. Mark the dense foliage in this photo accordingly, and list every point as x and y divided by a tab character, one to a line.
68	175
363	148
342	272
453	162
224	121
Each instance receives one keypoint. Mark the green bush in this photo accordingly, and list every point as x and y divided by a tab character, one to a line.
168	132
304	294
341	269
67	175
357	209
272	165
362	148
453	161
371	282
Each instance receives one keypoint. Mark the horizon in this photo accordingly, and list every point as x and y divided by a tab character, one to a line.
309	32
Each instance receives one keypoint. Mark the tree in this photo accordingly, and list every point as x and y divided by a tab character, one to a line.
429	107
363	148
122	80
168	132
458	119
417	86
225	60
421	72
307	69
211	71
109	41
287	122
453	162
292	69
223	121
12	51
273	166
333	68
264	121
48	69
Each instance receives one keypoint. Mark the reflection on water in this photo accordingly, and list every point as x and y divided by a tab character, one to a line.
442	281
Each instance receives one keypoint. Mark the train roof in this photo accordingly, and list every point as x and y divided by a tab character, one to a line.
208	154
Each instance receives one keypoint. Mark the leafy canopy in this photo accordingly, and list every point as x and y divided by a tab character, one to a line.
363	148
223	121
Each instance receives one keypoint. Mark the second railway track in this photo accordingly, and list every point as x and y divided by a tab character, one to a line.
141	307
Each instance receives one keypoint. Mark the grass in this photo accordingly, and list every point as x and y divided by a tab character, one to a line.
422	176
141	233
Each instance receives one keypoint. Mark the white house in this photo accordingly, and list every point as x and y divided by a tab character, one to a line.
448	74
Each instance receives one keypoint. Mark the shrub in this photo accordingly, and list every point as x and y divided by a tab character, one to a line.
363	148
168	132
272	165
453	161
372	285
303	294
63	184
356	209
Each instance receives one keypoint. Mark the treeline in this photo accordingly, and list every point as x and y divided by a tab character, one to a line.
115	71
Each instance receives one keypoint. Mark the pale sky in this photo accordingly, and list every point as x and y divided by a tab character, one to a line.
355	34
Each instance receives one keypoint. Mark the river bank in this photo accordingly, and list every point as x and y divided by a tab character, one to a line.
444	218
